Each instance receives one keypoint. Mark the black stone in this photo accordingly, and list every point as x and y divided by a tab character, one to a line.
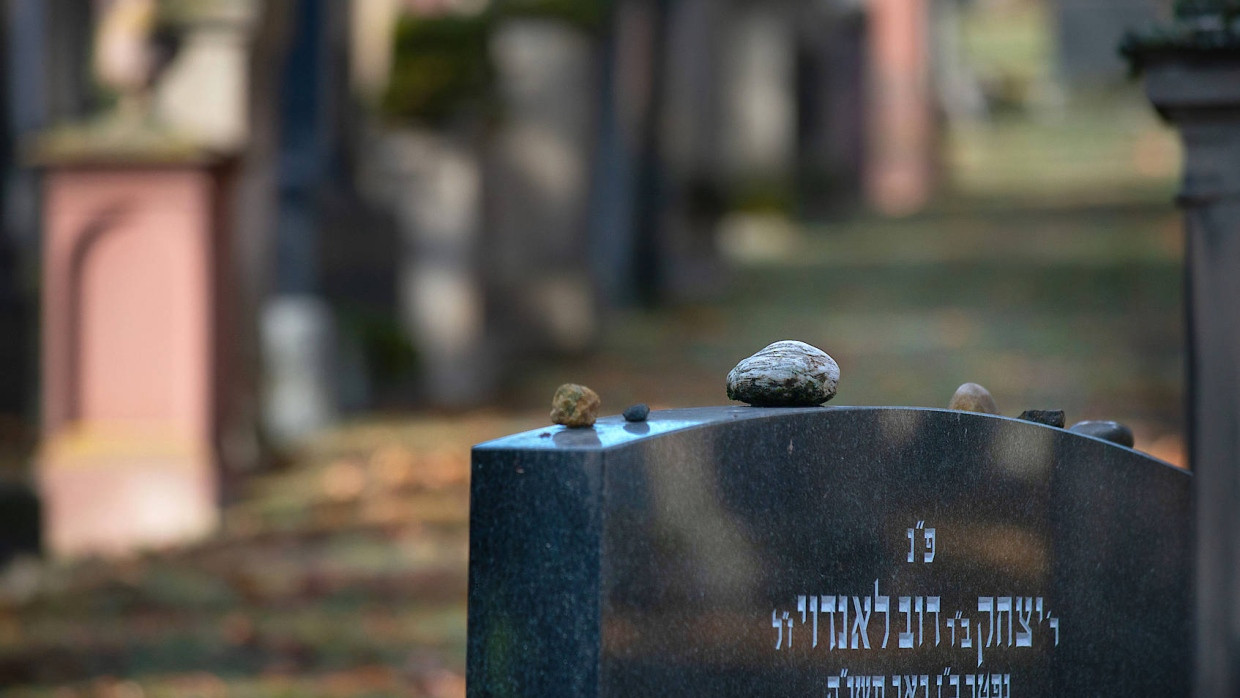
636	413
668	560
1101	429
1051	418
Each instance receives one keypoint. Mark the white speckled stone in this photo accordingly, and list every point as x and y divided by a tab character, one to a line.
785	374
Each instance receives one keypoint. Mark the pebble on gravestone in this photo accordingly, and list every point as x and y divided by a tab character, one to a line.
575	406
972	397
1104	429
785	374
1051	418
637	413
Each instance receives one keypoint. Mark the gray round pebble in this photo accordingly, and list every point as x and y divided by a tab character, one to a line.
785	374
1103	429
637	413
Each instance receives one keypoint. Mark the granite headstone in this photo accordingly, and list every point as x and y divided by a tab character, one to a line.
835	551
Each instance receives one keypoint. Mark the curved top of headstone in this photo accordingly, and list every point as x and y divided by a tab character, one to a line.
738	551
614	432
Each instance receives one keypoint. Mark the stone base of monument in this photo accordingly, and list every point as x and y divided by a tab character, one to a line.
834	551
110	491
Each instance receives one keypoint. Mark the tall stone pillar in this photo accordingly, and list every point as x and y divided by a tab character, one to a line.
297	325
1193	78
901	139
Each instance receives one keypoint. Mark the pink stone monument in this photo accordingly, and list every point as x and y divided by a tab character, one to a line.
900	168
134	352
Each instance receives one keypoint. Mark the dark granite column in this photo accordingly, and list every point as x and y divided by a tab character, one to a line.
1192	75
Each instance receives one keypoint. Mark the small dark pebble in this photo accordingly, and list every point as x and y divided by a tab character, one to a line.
1051	418
1102	429
545	435
636	413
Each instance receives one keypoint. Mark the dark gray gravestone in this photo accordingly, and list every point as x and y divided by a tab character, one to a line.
738	551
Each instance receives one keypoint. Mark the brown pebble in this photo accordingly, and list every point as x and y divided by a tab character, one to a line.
972	397
574	406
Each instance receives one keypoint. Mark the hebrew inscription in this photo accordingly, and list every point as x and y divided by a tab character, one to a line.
877	619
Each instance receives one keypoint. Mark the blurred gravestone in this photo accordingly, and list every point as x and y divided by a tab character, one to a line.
825	551
138	354
538	182
1086	34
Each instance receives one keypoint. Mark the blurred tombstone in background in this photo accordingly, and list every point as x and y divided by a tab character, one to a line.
901	139
297	327
622	92
139	303
693	144
831	115
538	179
425	165
135	343
759	102
1087	33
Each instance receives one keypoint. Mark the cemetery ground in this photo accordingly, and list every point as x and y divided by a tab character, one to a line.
1052	276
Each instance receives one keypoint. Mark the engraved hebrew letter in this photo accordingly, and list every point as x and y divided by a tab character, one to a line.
827	605
921	616
1003	604
987	604
841	605
1024	613
906	637
882	604
779	629
931	545
813	613
933	605
861	622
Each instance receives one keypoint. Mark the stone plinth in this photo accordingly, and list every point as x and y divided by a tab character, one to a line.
133	327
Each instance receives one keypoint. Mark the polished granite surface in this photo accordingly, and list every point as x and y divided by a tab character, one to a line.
740	551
